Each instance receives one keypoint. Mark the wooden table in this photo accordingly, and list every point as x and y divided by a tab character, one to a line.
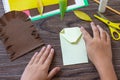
49	30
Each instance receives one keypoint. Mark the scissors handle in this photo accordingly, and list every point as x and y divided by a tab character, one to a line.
115	34
114	25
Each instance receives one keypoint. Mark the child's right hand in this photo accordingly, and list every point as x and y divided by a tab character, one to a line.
98	47
99	51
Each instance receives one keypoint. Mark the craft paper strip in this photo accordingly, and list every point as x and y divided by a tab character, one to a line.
40	7
27	12
73	46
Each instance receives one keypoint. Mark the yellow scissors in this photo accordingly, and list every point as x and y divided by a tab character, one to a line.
113	27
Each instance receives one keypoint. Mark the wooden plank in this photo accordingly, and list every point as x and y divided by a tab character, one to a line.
49	30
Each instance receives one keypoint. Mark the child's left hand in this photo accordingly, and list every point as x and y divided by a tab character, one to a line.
38	67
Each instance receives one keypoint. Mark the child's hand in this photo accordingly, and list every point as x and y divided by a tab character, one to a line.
99	51
98	47
38	67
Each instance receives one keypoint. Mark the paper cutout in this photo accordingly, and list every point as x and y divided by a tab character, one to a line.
73	46
67	33
18	34
82	15
27	12
40	7
63	6
28	4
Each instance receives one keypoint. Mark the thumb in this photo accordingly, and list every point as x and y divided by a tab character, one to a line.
53	72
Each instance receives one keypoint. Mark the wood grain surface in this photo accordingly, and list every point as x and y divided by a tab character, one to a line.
49	31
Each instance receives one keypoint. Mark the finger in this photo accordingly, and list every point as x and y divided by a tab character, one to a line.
49	58
108	38
86	35
53	73
33	58
39	55
103	34
95	30
45	55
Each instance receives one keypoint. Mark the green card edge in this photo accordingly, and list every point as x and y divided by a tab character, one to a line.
39	17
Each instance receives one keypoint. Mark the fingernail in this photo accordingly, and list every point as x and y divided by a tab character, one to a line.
58	68
52	50
36	53
98	26
48	45
92	23
81	28
43	48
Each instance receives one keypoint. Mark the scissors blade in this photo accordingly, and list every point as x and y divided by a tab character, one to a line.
102	19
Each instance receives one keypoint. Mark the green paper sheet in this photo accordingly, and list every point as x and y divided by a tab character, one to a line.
73	46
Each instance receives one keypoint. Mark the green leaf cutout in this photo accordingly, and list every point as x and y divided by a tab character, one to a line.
82	15
63	7
40	7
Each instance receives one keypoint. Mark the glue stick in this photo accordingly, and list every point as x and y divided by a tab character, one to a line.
102	6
